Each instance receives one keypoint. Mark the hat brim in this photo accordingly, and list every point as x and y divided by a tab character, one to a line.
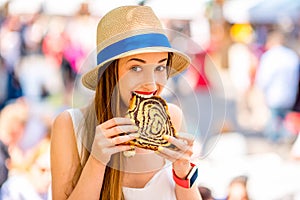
180	62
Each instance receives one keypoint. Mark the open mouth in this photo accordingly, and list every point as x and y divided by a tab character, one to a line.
145	94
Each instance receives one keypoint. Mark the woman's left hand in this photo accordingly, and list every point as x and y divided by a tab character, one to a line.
182	155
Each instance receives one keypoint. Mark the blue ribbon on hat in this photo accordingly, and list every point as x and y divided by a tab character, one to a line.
132	43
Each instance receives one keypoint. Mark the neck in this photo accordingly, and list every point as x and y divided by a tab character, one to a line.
142	162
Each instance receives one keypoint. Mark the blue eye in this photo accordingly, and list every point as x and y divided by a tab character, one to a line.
136	68
160	68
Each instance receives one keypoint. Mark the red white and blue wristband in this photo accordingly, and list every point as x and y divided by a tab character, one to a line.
190	179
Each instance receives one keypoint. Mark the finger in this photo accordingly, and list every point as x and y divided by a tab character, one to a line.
173	155
104	154
165	156
124	138
116	121
114	131
173	159
187	137
117	149
180	143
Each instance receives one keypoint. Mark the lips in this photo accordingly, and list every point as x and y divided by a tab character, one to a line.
145	94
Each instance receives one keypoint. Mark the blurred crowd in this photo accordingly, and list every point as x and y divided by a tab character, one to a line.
41	55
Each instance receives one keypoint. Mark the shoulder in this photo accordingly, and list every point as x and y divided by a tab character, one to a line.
62	122
64	154
62	117
175	115
62	133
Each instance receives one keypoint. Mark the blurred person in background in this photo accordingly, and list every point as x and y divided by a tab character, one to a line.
292	122
10	48
205	193
32	181
4	156
13	119
38	74
241	58
10	40
65	51
242	62
237	189
10	85
3	82
278	78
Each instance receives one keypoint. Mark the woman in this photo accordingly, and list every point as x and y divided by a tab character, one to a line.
87	162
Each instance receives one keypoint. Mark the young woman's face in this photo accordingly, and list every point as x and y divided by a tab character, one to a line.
144	73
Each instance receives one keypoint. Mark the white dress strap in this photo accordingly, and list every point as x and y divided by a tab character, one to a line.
77	117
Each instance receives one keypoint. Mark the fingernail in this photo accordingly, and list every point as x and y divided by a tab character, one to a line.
135	135
160	148
176	134
166	137
136	128
132	121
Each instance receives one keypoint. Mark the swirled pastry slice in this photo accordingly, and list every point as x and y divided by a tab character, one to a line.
152	117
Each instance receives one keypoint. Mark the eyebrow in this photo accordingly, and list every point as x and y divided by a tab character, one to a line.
143	61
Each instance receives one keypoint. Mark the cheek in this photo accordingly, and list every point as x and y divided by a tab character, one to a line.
162	80
127	84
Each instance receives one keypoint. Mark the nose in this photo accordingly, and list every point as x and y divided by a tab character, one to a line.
150	86
150	81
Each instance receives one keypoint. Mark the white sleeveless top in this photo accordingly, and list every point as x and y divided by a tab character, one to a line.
161	186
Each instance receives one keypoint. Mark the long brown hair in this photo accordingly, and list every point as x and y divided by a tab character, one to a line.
99	111
106	101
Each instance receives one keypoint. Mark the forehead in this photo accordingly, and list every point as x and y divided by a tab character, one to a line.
148	57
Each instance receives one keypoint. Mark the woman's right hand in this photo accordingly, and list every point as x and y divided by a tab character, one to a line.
108	140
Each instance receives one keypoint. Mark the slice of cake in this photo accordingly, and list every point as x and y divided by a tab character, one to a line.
152	117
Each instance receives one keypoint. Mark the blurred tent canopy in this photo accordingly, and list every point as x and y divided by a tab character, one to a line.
23	7
62	7
171	9
177	9
269	12
237	11
100	8
261	11
52	7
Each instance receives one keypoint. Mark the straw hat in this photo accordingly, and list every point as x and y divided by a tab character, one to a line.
130	30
